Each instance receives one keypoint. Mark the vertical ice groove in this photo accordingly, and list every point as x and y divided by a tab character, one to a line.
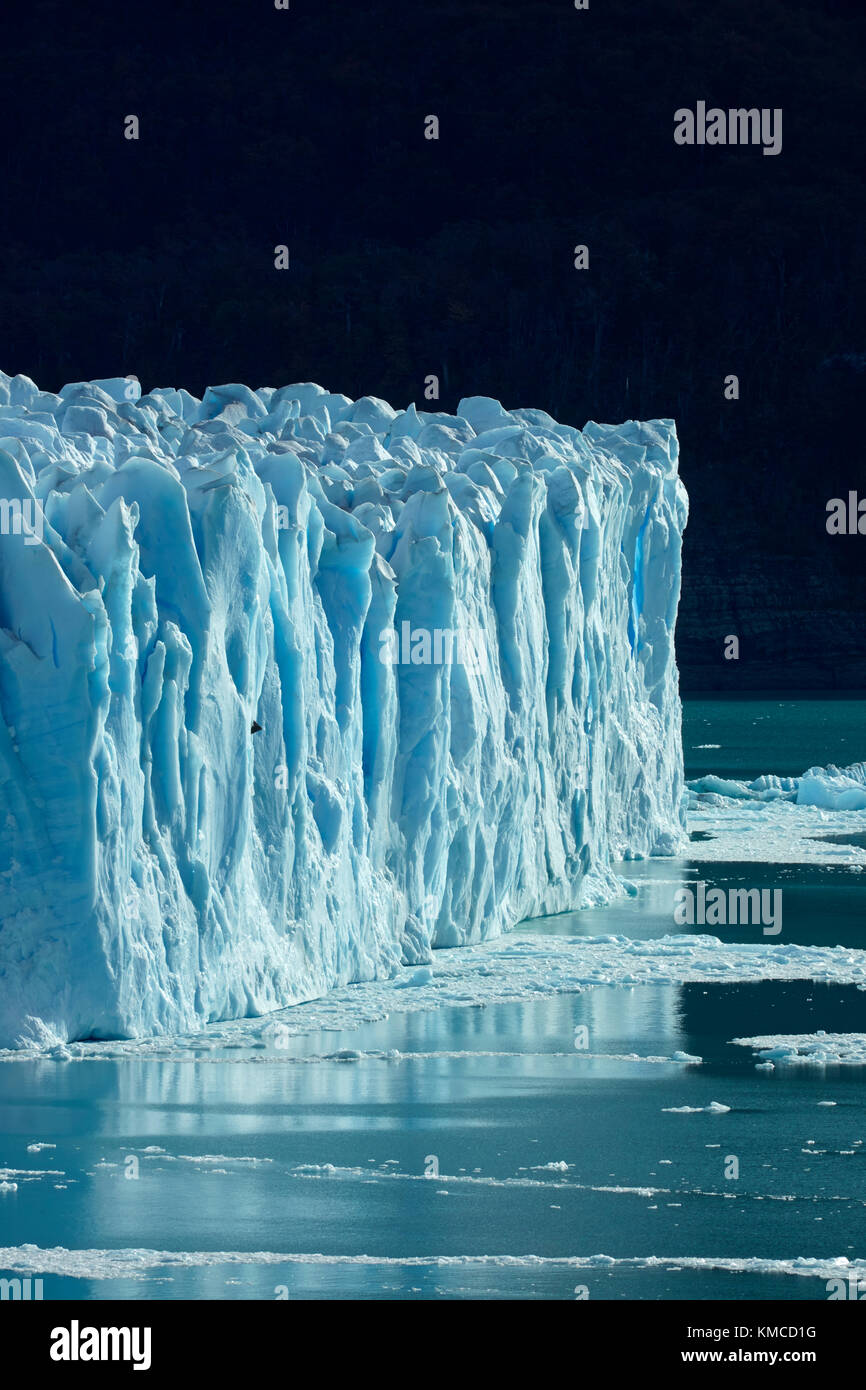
451	633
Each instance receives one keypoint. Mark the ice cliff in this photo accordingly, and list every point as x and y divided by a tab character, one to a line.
455	633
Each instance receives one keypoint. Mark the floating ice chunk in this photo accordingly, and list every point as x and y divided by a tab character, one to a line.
422	976
835	789
809	1049
714	1108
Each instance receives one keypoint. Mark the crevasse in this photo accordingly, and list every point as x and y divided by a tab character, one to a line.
174	571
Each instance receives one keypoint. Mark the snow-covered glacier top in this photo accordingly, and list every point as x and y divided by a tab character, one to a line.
295	688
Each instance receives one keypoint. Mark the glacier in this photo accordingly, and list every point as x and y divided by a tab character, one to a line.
243	762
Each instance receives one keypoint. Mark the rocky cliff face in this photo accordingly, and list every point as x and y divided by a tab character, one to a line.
800	618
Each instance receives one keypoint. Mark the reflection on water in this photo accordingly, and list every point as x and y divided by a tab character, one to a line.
822	904
495	1095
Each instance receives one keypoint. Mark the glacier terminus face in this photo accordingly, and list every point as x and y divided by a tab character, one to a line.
455	634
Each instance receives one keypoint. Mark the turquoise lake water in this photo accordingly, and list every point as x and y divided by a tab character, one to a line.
783	735
490	1098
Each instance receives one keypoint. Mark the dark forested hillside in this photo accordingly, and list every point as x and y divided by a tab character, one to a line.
455	257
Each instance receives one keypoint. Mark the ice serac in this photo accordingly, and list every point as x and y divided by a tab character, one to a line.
454	631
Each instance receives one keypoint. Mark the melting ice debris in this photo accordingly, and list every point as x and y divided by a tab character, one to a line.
715	1107
138	1263
208	568
809	1049
422	976
515	968
818	818
832	788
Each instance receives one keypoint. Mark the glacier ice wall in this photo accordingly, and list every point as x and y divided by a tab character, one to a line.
175	571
